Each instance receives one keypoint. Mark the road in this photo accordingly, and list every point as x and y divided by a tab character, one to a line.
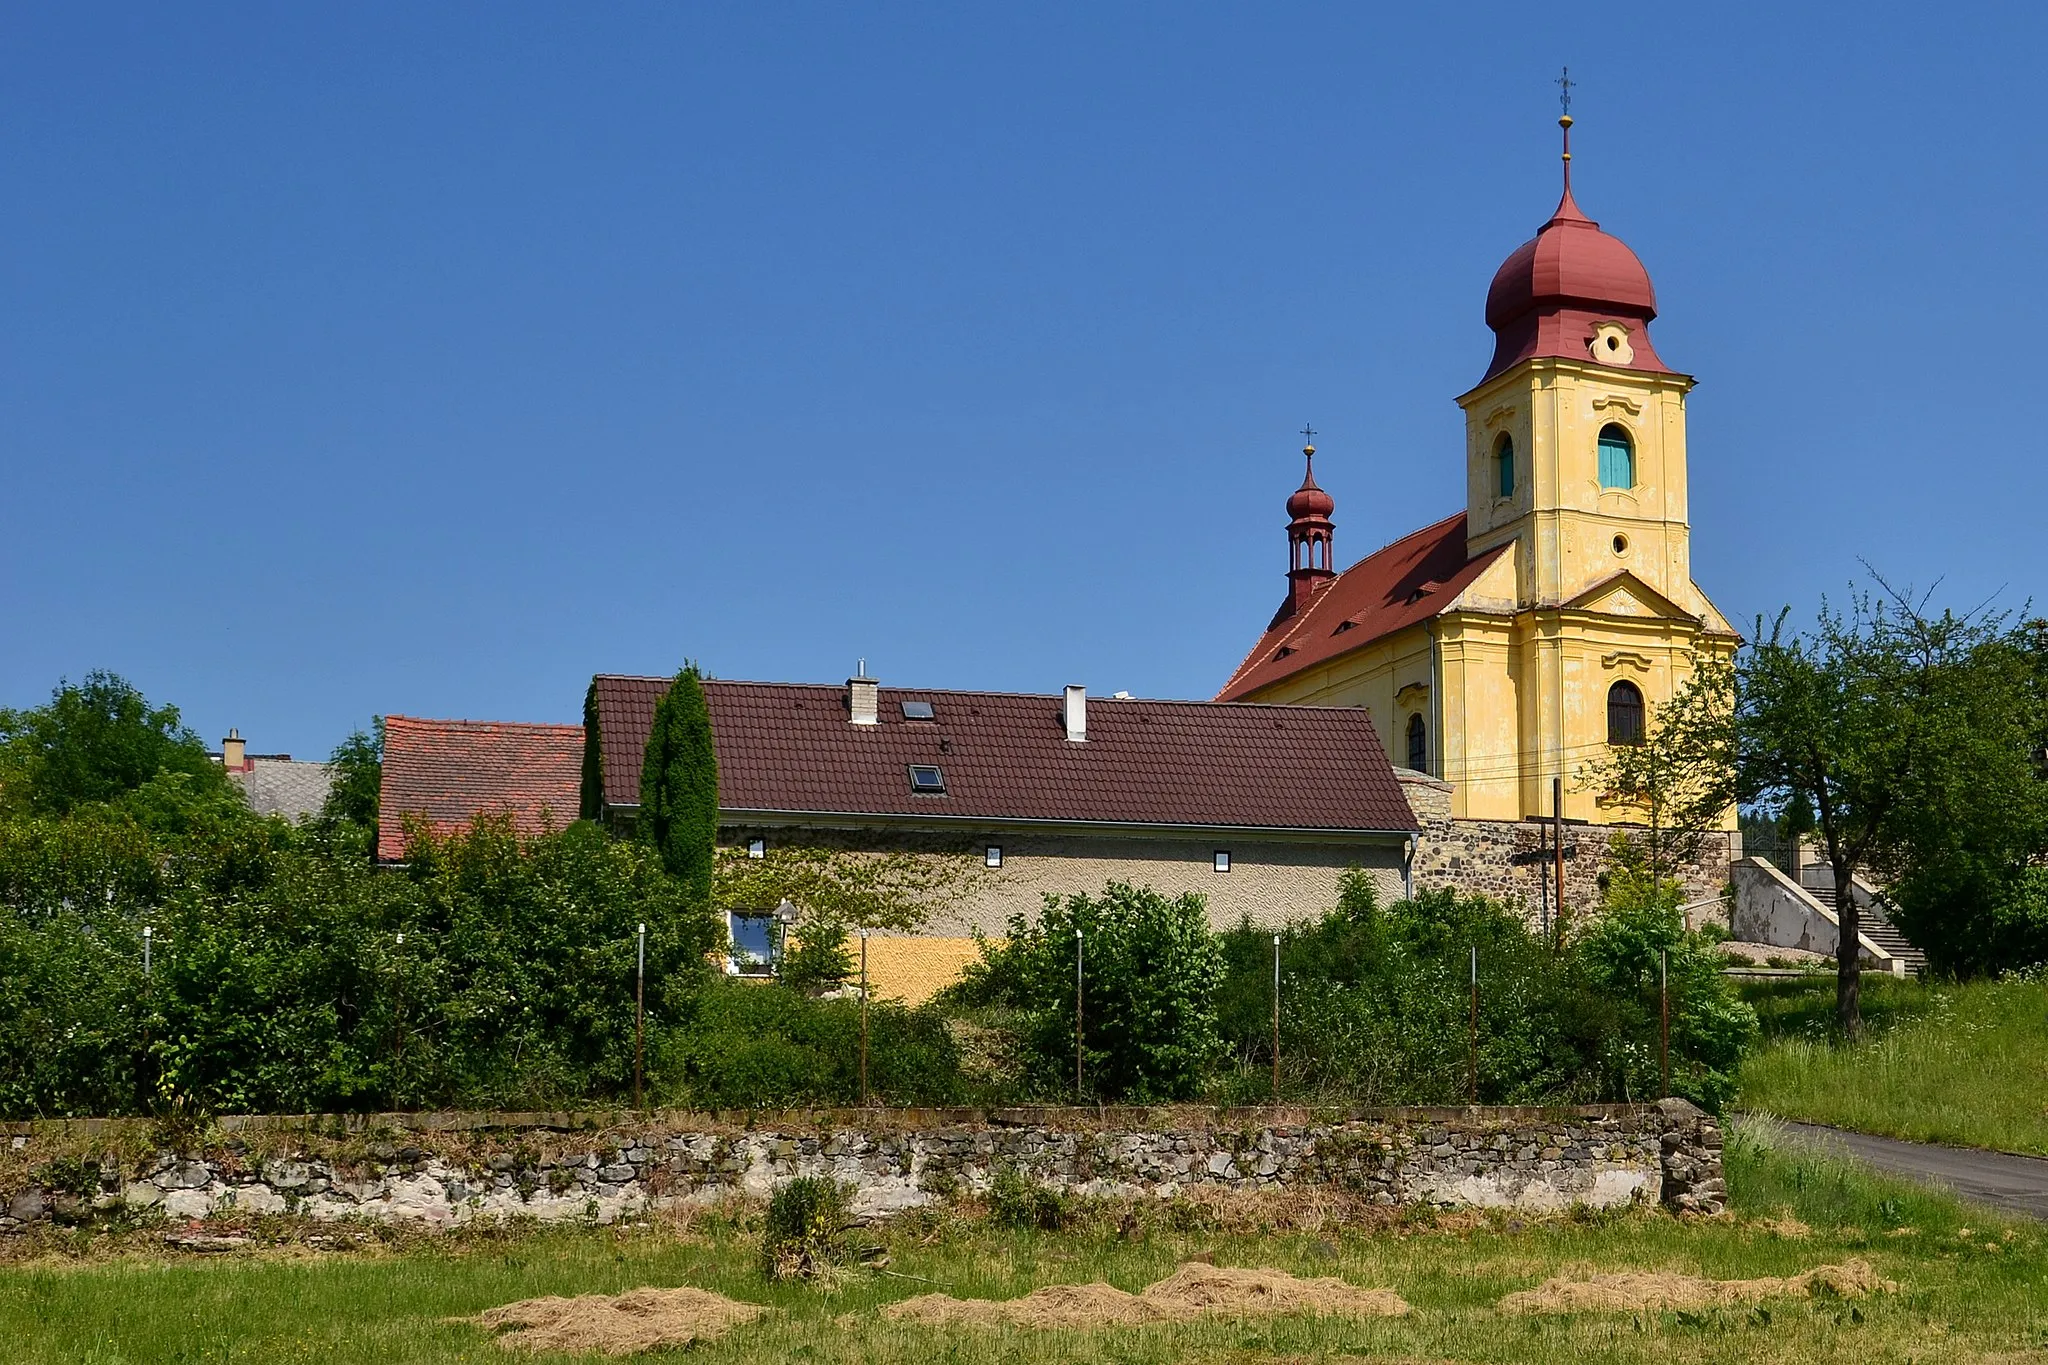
2011	1184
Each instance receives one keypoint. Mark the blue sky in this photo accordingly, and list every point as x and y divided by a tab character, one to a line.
380	358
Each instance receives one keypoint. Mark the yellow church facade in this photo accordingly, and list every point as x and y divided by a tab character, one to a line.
1506	648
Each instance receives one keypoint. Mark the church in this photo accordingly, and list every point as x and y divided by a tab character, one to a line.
1504	648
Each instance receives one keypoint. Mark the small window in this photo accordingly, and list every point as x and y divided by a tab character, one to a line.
1617	458
918	710
992	856
1418	743
757	848
753	943
927	780
1624	714
1504	465
1222	863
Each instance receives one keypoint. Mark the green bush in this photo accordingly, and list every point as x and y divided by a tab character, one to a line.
1150	969
1376	1004
279	983
759	1045
1711	1026
1015	1201
804	1234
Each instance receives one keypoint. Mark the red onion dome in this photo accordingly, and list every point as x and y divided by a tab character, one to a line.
1309	500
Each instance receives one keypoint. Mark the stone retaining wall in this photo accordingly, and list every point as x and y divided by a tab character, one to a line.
446	1169
1515	861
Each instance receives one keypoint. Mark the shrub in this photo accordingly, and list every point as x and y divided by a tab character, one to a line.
755	1045
279	984
1376	1005
804	1233
1150	970
1015	1201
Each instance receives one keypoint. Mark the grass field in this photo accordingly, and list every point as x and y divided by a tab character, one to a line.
1972	1289
1966	1065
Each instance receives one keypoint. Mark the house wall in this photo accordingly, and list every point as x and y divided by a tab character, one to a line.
1271	881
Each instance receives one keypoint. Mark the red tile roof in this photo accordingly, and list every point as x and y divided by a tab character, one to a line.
1411	580
789	747
453	770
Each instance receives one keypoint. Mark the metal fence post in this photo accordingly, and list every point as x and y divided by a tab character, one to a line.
1664	1018
1473	1063
1077	1016
863	1018
639	1015
1276	1018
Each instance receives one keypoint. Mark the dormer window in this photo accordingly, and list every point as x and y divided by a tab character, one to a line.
1504	466
1617	457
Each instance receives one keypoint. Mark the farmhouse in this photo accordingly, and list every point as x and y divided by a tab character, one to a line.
1260	808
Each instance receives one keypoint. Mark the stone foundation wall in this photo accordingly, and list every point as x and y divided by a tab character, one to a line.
446	1169
1512	860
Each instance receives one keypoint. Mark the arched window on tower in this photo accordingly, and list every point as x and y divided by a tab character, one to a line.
1624	713
1504	466
1418	743
1617	458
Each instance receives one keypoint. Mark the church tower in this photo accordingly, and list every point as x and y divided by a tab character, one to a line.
1575	436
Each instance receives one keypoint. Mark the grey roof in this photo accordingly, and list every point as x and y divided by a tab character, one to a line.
279	786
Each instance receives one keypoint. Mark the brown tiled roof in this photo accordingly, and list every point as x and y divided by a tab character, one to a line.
789	747
1411	580
453	770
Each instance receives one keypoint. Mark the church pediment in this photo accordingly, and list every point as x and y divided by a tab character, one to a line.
1626	595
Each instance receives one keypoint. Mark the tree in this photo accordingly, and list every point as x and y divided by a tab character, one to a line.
1150	970
1681	776
1966	872
96	741
679	786
590	797
358	769
1869	722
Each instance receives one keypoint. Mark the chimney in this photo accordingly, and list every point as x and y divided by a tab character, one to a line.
864	698
234	753
1076	711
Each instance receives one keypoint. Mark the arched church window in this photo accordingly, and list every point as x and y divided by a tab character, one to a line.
1418	743
1504	465
1624	713
1617	458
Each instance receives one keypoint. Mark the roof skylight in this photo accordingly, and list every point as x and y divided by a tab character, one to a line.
918	710
927	780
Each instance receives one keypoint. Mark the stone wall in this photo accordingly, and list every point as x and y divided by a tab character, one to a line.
452	1168
1512	860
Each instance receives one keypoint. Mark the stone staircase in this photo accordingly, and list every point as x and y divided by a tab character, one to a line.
1874	914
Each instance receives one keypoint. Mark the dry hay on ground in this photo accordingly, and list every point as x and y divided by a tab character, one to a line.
1193	1291
1787	1227
1631	1292
616	1324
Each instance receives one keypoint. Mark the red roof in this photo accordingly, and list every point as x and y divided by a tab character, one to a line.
451	771
1548	294
790	748
1409	581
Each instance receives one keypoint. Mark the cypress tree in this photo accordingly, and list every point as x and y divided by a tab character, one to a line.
590	803
679	785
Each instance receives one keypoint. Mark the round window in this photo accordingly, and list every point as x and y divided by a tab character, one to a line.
1621	545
